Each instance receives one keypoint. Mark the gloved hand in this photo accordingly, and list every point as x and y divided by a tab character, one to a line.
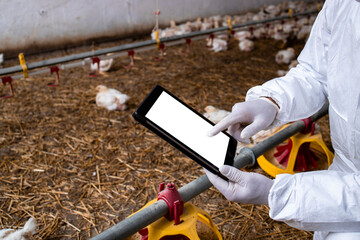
242	187
246	119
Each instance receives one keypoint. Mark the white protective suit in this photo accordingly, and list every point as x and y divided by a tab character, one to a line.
327	202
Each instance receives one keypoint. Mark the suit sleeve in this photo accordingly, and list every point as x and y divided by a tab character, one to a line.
317	201
303	91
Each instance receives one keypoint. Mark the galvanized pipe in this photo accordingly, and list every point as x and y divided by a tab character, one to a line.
125	47
150	214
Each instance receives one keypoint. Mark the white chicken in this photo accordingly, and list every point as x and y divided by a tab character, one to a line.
279	34
237	19
285	56
242	35
259	16
206	24
281	73
217	44
164	33
264	134
180	29
304	32
215	20
23	234
272	10
293	64
261	32
289	27
110	98
215	114
246	45
223	36
195	25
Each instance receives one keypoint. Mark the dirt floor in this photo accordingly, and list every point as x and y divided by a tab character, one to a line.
80	169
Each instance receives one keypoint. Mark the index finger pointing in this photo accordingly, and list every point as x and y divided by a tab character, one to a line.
222	125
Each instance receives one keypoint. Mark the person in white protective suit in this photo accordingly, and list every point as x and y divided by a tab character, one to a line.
328	201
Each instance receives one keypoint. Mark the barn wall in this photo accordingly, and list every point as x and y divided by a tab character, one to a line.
36	25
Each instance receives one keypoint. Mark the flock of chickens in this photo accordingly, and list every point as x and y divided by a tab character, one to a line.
112	99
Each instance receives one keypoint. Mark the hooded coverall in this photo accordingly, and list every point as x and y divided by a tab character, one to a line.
327	202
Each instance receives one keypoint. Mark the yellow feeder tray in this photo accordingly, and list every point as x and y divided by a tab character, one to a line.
312	141
163	228
181	220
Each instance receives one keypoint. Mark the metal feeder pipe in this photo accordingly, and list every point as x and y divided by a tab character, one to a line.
79	56
246	157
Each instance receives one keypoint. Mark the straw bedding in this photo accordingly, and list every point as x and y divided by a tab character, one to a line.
79	169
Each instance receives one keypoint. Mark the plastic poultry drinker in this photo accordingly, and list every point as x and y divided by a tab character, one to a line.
305	151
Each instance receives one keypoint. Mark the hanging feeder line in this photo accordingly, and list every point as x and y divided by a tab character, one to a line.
157	13
126	47
247	156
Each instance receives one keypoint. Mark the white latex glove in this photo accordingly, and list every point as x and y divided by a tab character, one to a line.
242	187
247	118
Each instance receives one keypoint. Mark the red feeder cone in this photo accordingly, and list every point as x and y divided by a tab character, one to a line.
309	159
283	153
131	54
304	151
97	61
6	80
55	69
305	158
188	46
231	37
162	52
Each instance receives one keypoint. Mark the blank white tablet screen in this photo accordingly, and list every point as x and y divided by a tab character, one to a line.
189	128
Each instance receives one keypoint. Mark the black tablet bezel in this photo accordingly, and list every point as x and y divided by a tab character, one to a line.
145	106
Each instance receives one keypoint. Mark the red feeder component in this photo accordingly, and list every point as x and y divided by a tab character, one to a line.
251	30
162	52
131	54
54	69
174	201
308	19
9	80
230	36
162	46
172	198
305	158
188	46
97	61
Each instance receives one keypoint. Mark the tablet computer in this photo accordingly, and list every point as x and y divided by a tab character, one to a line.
185	129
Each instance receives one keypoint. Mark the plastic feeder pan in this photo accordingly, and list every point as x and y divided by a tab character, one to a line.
187	229
302	152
